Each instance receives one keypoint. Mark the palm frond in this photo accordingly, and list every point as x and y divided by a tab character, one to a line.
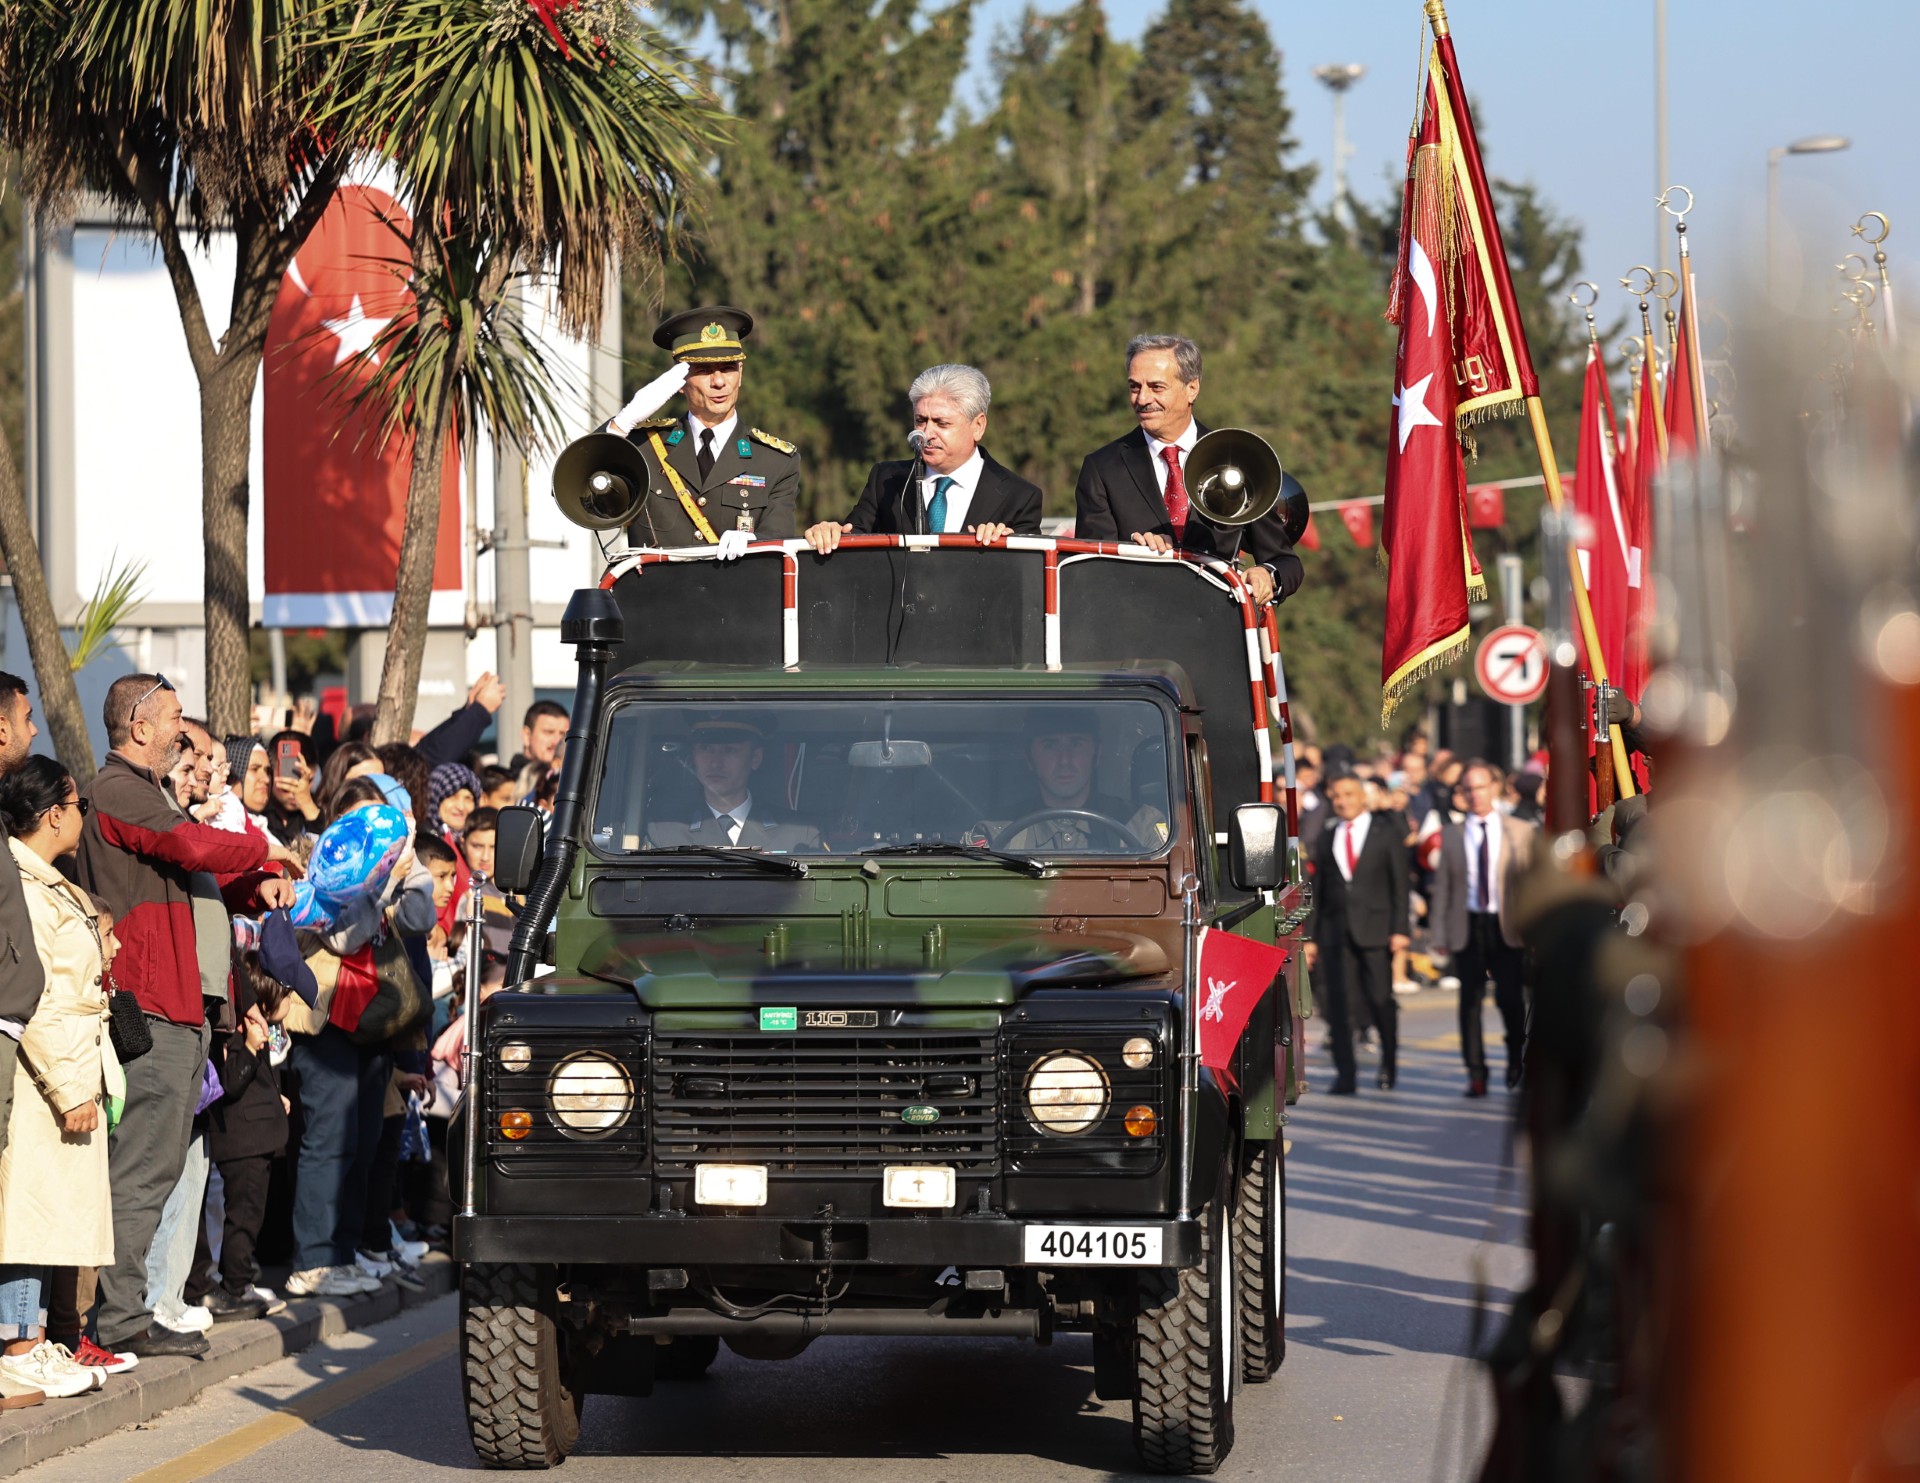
118	593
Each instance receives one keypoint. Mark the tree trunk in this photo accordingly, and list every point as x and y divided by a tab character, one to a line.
226	437
52	668
413	583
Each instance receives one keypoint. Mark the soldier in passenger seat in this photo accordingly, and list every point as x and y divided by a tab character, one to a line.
727	752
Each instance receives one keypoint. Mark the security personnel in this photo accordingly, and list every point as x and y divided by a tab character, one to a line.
716	479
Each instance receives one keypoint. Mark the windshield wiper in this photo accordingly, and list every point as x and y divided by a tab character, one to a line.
780	864
1032	867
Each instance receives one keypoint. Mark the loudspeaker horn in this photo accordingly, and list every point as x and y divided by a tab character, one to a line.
1233	476
600	480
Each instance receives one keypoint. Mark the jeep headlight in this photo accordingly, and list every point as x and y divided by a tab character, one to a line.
591	1094
1067	1093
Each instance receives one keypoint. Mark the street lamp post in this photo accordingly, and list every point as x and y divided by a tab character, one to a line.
1813	144
1338	77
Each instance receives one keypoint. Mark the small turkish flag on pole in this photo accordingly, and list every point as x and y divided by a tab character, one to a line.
1486	507
1358	518
1234	973
1310	537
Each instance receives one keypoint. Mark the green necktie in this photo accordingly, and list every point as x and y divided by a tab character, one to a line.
937	507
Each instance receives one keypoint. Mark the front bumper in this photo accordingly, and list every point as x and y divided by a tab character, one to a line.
735	1241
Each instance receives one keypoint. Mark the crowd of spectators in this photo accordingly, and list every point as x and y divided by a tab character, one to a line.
220	1047
1456	829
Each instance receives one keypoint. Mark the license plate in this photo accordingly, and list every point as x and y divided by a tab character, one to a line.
1093	1246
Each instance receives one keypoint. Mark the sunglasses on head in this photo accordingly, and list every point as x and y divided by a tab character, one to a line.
163	683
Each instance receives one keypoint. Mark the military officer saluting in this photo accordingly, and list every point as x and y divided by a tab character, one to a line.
715	479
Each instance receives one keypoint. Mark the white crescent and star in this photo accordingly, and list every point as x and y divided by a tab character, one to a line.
357	333
1411	401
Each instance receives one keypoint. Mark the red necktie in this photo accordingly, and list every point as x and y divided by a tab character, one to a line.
1353	858
1176	493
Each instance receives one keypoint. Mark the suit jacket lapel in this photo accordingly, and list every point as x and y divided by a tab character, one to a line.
989	502
1133	453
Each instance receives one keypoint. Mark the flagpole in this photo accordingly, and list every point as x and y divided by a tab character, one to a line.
1436	13
1878	244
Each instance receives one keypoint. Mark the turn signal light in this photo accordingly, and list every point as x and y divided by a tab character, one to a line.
1141	1121
515	1125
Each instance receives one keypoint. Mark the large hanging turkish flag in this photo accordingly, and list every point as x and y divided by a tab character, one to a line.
334	496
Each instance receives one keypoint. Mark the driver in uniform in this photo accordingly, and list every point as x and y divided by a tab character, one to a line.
727	752
1063	750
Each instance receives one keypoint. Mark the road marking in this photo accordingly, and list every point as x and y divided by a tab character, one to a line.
297	1415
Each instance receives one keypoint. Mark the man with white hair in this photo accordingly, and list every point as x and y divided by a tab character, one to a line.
960	488
1135	488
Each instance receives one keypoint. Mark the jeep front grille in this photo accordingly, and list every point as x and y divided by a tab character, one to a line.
823	1105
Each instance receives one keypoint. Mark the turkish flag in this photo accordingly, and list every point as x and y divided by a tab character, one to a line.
1603	531
1235	972
1430	562
1486	507
1650	461
1310	537
1686	385
1358	519
334	496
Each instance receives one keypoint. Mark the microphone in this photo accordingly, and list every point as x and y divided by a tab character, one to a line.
917	441
915	511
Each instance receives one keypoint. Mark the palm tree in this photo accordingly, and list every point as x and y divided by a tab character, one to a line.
547	142
192	117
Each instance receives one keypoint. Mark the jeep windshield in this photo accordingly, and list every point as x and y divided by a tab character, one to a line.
856	777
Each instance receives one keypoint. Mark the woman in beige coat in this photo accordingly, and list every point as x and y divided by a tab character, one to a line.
55	1209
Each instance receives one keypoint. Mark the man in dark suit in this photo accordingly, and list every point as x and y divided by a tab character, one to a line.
727	752
1134	489
714	480
960	488
1476	880
1360	907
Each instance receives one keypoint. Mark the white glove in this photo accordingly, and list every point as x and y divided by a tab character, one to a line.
733	544
651	398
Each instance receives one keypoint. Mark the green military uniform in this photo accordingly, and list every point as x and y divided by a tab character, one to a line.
754	483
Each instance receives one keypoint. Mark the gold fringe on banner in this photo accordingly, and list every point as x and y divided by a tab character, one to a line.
1429	661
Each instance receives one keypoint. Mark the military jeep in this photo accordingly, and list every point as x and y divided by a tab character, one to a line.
906	1044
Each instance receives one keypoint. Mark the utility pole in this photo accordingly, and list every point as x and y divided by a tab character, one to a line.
512	588
1662	236
1338	77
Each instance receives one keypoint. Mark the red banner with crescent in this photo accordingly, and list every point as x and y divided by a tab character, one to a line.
333	496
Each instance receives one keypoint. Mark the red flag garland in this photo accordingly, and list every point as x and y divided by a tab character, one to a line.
1358	519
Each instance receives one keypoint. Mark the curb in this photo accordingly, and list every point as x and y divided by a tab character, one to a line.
158	1385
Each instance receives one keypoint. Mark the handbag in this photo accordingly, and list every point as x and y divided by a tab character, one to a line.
378	995
127	1025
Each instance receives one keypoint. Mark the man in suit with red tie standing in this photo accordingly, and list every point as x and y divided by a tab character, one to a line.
1135	488
1475	880
1360	909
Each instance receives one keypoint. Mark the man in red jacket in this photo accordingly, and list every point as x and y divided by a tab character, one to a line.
138	852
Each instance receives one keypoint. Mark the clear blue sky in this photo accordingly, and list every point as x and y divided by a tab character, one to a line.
1565	93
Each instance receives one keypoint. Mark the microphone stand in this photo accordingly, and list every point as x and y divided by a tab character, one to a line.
916	522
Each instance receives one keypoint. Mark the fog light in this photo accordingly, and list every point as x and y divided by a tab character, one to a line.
516	1055
1137	1053
515	1125
1141	1121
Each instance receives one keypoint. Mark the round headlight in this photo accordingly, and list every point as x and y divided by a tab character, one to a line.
1137	1053
591	1094
516	1055
1066	1093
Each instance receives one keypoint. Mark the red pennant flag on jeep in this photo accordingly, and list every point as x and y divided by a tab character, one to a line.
1234	973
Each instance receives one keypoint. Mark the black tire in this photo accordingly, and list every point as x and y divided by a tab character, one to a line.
521	1413
687	1357
1183	1356
1260	1253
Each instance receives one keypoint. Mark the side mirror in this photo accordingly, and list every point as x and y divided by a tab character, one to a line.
518	842
1254	845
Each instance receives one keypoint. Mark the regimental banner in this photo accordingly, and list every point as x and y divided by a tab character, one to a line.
334	497
1234	973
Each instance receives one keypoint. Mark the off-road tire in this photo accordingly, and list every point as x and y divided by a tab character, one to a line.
687	1357
1183	1356
521	1413
1260	1253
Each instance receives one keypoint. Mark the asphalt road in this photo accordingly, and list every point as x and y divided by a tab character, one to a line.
1401	1205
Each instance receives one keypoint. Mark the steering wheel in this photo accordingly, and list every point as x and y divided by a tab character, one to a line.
1083	816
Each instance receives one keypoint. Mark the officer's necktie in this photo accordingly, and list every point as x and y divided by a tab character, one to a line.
937	507
732	825
1176	493
705	457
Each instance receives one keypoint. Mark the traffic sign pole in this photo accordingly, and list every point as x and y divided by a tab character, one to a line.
1514	597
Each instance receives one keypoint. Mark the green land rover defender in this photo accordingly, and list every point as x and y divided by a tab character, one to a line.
854	990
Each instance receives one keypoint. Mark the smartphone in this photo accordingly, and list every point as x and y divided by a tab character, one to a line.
286	759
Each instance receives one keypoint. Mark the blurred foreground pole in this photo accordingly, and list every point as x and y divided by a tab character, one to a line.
512	596
1788	833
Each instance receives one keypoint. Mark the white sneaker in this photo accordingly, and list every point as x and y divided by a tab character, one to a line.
362	1282
275	1303
323	1282
407	1253
372	1266
43	1368
184	1320
99	1372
